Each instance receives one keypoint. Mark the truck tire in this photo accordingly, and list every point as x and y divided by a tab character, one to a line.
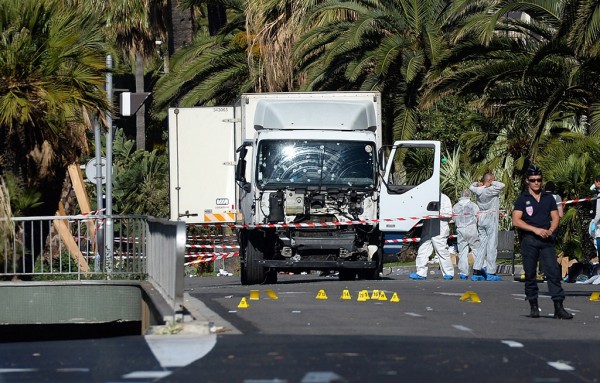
251	271
373	274
347	274
271	277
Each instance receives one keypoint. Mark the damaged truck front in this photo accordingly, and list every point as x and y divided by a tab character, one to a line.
316	190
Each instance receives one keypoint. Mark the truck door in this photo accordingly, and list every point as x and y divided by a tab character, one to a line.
201	164
411	185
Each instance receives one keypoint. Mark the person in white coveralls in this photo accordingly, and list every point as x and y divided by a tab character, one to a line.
465	214
595	224
488	200
439	243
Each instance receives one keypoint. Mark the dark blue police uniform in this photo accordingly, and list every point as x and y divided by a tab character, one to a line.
535	248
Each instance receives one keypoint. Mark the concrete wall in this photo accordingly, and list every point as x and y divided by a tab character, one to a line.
70	302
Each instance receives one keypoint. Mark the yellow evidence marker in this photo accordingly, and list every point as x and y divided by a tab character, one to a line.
243	304
346	295
254	295
595	296
271	294
470	296
375	295
395	298
363	296
321	295
382	296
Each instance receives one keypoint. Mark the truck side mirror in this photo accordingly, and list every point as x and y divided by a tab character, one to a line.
381	159
240	169
433	206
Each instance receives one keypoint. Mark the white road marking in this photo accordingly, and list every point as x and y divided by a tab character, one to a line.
512	343
180	350
450	294
461	327
146	375
413	314
561	366
9	370
73	369
321	377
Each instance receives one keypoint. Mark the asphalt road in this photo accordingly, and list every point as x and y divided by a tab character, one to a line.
429	335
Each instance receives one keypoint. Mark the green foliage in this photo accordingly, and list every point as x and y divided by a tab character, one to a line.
141	182
22	199
382	45
448	121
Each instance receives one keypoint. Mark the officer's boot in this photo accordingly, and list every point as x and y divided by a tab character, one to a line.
560	312
535	310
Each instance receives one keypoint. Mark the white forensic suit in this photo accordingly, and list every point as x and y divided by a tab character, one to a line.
439	243
465	218
596	221
489	211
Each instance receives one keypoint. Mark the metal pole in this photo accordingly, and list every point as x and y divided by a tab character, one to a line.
99	256
109	171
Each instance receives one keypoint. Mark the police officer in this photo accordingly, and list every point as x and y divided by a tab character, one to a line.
536	217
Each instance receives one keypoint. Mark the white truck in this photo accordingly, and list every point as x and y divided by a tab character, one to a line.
304	178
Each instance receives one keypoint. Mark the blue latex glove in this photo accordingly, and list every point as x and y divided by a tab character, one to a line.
593	228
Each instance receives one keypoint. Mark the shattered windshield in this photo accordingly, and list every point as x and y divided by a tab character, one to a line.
311	163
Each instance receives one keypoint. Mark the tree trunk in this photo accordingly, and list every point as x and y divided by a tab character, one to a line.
217	18
140	116
180	29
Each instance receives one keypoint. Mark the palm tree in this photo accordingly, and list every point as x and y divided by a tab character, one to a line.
52	63
251	53
134	26
532	67
385	45
180	25
522	69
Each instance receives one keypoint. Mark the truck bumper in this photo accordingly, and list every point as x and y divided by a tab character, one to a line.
316	265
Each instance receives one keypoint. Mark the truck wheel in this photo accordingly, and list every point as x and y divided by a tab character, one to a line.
347	275
252	272
271	277
373	274
369	274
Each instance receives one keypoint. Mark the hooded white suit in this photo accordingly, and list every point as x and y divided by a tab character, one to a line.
465	218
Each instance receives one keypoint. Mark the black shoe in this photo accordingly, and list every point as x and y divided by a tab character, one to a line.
535	310
560	312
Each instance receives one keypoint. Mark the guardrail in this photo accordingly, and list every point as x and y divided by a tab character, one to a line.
166	249
73	248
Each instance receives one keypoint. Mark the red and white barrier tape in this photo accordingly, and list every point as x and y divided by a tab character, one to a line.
210	237
212	246
401	240
214	258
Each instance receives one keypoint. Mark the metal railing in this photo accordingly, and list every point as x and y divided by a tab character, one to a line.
166	251
74	248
